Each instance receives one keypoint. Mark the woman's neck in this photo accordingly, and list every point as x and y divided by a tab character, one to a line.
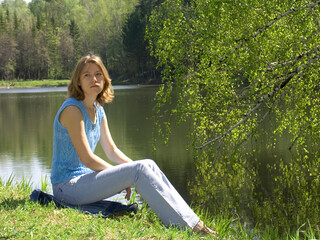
89	103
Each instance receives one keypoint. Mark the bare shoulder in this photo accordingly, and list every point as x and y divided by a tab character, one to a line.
71	114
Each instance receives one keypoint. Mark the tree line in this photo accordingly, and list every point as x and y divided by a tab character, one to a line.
45	38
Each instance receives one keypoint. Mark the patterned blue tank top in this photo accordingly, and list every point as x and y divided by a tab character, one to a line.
66	163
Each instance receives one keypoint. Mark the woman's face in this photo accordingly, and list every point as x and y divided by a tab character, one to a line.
91	80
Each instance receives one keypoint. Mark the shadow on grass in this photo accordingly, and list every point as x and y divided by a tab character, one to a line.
10	204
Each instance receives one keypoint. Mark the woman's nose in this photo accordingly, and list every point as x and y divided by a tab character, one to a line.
94	78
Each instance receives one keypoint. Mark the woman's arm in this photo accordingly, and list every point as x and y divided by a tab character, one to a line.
108	145
72	119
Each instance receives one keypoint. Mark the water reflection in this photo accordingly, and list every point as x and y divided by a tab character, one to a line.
26	134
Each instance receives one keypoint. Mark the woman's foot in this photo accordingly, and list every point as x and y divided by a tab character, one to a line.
200	228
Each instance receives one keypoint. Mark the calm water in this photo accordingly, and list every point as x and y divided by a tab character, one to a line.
26	133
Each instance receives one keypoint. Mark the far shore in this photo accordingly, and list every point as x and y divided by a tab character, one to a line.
49	85
33	83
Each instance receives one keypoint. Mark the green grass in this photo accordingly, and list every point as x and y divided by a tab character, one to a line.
24	219
33	83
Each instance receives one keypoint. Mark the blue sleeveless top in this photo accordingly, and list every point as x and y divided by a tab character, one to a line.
66	163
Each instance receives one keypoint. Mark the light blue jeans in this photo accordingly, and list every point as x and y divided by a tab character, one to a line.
147	178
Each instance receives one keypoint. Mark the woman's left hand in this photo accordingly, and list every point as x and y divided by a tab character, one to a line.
128	195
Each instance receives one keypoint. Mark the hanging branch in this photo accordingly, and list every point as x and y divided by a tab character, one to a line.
260	121
295	60
292	74
269	24
316	19
299	135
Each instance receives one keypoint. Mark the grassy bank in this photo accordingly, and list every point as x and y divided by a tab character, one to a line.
33	83
23	219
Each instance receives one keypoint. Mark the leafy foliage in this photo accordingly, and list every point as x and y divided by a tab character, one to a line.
231	68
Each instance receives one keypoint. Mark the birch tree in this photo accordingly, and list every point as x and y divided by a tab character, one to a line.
230	68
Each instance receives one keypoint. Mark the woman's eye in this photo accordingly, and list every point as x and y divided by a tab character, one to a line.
99	74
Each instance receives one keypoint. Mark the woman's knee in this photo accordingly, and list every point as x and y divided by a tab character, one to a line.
141	164
145	166
149	162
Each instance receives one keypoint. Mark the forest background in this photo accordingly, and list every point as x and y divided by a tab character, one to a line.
43	39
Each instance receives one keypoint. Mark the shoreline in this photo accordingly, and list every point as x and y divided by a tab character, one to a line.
54	87
51	83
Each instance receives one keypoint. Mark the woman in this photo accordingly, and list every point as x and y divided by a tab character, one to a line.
80	177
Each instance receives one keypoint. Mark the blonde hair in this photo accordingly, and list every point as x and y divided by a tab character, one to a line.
74	89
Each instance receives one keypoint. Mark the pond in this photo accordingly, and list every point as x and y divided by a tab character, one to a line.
26	133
